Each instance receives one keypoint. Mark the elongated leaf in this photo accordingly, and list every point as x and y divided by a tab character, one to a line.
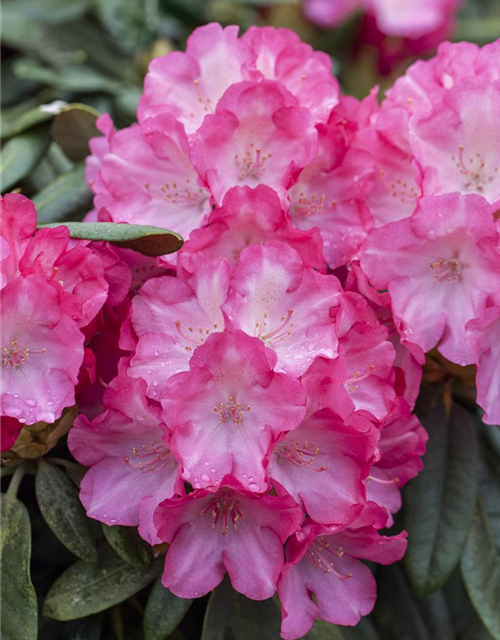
86	588
150	241
481	571
129	545
72	130
14	123
132	23
21	154
63	197
164	612
19	605
62	510
439	503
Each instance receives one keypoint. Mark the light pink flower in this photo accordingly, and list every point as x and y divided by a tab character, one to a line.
276	298
258	135
18	216
324	562
42	350
440	267
413	18
131	467
228	409
323	463
329	13
212	531
144	176
483	340
250	216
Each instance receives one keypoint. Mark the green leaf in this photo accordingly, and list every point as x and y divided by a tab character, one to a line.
150	241
21	155
86	588
73	128
19	605
64	196
15	122
439	503
481	571
62	510
133	23
164	612
129	545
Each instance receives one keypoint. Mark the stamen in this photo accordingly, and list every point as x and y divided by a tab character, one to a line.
300	454
225	509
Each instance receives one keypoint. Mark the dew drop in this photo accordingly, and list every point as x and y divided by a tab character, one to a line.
157	353
206	463
22	420
196	593
253	486
212	470
113	521
204	477
30	402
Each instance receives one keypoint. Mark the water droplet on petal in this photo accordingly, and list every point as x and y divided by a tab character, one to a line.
206	463
157	353
253	486
205	478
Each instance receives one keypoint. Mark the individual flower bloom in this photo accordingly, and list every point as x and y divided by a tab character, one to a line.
129	459
483	340
329	13
330	193
276	298
323	464
402	445
227	410
18	216
10	430
250	216
456	143
171	317
440	267
307	74
42	350
189	85
258	135
324	563
228	528
145	176
117	270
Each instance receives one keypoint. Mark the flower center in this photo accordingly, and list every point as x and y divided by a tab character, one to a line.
15	356
182	195
231	410
447	270
353	382
301	454
277	333
252	164
318	554
149	457
399	188
473	169
305	207
226	510
195	337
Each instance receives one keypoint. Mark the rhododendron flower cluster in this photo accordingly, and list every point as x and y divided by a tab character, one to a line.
253	400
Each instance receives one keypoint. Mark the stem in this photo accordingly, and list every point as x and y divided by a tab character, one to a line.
67	464
15	481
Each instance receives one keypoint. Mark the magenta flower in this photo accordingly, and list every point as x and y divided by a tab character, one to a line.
227	410
232	530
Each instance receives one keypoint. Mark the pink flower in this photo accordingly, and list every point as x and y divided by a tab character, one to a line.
330	193
250	216
456	143
258	135
329	13
131	468
9	432
323	463
324	562
42	350
483	340
413	18
172	316
307	74
189	85
18	217
440	267
212	531
144	176
227	410
285	304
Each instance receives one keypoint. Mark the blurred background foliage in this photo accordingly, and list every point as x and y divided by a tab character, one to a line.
93	55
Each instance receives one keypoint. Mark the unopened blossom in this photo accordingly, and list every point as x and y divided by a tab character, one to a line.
225	529
131	467
325	562
483	340
441	266
225	412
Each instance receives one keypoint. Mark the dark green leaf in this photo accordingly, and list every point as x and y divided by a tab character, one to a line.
53	11
439	503
21	154
129	545
88	629
87	588
164	612
62	510
72	130
19	605
364	630
15	122
481	571
150	241
63	197
132	24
